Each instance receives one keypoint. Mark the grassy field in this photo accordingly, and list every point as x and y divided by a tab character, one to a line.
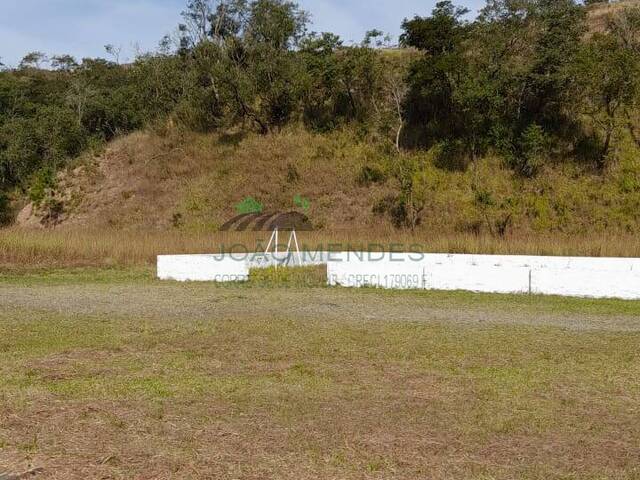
109	374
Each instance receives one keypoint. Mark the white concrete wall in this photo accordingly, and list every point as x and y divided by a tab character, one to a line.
567	276
230	267
306	259
384	270
581	279
202	268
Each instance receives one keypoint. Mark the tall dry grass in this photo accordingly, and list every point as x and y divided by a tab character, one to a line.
113	248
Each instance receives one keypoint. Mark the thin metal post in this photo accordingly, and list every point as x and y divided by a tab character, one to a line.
275	240
266	252
288	254
275	255
295	239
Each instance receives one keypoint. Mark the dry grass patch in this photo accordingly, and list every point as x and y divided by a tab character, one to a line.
33	249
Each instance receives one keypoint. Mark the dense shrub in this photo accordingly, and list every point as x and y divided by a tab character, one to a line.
5	210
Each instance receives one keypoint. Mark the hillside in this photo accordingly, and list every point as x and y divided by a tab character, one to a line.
598	13
194	182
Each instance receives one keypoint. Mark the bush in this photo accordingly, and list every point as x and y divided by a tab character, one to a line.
394	206
293	176
43	182
451	155
588	148
371	174
629	180
302	202
6	215
249	205
533	150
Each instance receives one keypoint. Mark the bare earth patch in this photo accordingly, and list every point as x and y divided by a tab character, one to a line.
137	379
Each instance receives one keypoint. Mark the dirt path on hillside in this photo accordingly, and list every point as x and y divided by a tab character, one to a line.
174	302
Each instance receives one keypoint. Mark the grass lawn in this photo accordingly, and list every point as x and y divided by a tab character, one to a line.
112	375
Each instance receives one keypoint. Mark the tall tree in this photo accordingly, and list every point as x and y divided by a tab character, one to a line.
433	78
228	19
114	51
65	63
609	79
33	60
197	17
559	29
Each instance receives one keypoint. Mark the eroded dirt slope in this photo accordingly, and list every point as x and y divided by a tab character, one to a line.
148	181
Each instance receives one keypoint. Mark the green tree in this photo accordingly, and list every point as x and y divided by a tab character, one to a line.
549	85
197	17
434	77
257	71
321	97
608	74
624	25
33	60
65	63
5	209
228	18
114	51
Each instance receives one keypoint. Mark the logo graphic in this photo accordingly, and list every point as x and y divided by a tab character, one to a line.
251	216
268	222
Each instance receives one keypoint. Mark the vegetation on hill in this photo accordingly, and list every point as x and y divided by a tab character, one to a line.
195	182
525	118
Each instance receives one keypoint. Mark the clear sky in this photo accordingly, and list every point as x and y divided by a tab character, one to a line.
82	27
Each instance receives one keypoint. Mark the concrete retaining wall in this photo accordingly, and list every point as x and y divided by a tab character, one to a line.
567	276
229	267
202	268
306	259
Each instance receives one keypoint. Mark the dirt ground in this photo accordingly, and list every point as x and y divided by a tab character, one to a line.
172	302
121	379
